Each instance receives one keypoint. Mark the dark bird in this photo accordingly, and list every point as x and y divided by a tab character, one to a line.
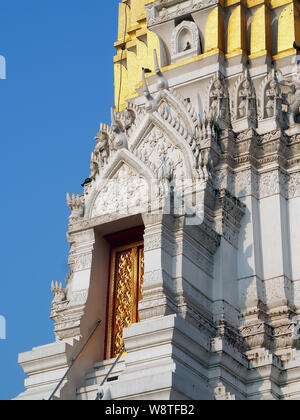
86	182
188	46
297	47
146	70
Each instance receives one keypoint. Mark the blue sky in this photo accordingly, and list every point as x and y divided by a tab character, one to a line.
59	87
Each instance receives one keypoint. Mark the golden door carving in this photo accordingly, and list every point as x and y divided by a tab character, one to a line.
125	291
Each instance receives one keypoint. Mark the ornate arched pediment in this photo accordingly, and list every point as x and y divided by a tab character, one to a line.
160	149
124	193
147	151
124	187
164	157
170	135
180	109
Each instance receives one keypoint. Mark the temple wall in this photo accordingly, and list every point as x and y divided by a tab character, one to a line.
221	291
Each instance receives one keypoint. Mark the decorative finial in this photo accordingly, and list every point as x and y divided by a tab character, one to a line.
120	140
151	104
114	125
163	83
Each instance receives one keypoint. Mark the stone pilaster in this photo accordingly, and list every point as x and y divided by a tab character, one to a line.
68	313
159	287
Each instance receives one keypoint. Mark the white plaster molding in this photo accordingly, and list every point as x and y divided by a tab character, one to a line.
159	12
180	53
294	185
221	394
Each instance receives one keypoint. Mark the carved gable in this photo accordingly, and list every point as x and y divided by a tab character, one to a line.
164	158
124	193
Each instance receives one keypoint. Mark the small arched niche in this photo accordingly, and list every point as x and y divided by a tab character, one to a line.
185	41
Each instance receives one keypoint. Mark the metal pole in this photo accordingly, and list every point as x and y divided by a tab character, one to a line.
73	360
108	373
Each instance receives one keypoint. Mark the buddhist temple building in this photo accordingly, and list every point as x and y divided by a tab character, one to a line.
185	238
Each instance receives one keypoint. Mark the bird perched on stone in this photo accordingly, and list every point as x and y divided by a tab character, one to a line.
297	47
86	182
188	46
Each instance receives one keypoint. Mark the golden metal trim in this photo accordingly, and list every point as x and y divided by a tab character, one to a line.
135	285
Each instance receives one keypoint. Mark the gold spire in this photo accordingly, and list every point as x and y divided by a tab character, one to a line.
135	47
214	31
237	32
288	29
261	32
233	27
